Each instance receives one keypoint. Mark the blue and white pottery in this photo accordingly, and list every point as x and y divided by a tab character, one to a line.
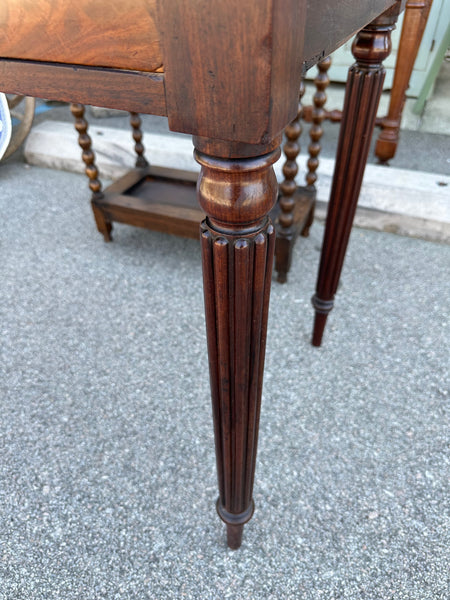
5	125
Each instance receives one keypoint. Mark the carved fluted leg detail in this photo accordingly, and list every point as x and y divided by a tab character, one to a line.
363	91
237	270
285	226
414	23
135	122
84	140
239	313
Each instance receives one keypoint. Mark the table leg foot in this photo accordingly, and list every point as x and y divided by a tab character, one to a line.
323	309
310	221
235	523
234	536
103	225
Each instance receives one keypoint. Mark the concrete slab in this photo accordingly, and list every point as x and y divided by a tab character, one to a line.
414	203
107	471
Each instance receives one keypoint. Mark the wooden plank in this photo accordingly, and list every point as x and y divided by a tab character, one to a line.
121	34
111	88
128	181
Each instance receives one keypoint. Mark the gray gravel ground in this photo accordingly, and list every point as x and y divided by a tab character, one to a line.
107	471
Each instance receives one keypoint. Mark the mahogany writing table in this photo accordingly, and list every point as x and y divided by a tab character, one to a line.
228	73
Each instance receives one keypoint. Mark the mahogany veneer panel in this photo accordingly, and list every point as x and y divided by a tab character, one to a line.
83	32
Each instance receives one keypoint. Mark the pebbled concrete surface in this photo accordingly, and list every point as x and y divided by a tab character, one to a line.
107	470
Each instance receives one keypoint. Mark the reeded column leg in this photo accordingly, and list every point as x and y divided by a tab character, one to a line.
414	23
364	86
238	242
84	140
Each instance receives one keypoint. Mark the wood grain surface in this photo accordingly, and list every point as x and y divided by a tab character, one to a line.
232	69
112	88
330	24
82	32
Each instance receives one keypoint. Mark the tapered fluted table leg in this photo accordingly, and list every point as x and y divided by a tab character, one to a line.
364	86
237	251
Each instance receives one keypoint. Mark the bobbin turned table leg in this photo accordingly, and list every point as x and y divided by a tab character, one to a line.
238	243
104	226
364	86
136	123
286	234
